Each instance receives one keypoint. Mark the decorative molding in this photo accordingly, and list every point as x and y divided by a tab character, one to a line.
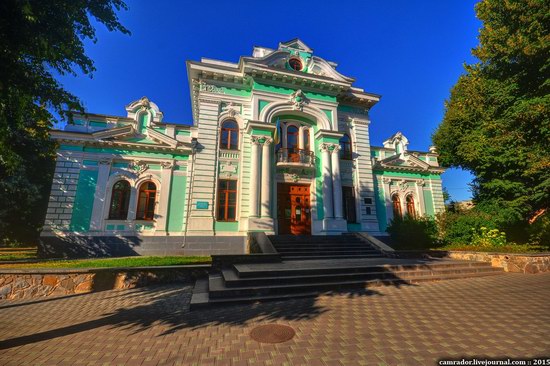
420	182
138	167
204	87
386	180
167	164
267	141
105	162
255	140
403	186
328	147
298	99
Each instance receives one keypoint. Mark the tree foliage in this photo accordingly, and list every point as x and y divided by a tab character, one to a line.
497	120
39	39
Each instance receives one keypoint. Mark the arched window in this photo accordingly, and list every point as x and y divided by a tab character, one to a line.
146	201
411	211
345	147
120	198
292	137
229	135
396	206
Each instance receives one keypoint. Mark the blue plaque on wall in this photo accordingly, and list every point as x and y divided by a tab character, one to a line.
202	205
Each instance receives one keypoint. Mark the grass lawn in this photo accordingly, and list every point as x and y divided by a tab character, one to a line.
112	262
13	254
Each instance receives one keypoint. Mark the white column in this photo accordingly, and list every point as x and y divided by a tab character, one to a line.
327	182
166	183
337	183
266	178
99	196
254	175
301	138
387	197
420	194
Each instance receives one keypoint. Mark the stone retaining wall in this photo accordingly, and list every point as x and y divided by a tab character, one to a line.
518	263
28	284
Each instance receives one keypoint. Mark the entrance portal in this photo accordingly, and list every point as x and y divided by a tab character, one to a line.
293	209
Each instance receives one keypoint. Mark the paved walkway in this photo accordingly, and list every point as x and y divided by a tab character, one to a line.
501	316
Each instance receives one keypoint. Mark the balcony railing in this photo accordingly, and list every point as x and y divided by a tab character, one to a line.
295	157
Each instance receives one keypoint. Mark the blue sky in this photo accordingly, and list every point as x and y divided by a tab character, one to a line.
410	52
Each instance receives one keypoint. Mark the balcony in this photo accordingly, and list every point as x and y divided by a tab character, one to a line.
295	158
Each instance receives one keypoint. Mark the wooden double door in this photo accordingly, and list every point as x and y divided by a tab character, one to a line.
293	209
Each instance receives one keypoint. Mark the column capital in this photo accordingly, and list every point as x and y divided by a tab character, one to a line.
105	162
266	141
255	140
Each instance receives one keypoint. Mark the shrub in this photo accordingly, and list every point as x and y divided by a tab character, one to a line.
458	228
413	234
539	232
485	237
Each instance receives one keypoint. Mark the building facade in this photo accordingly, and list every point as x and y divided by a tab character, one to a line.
279	143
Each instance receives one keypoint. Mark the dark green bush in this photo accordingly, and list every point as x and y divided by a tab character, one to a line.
459	227
413	234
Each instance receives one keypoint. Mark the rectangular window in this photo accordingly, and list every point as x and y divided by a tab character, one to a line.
348	197
368	211
227	200
368	201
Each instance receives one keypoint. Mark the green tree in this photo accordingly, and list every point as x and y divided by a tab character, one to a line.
37	40
497	120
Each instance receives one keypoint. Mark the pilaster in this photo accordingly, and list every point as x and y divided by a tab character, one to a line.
166	181
104	169
254	175
267	181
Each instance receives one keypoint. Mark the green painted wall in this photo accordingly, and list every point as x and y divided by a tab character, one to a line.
90	162
407	175
286	91
71	147
133	153
350	109
380	206
354	227
142	122
226	226
84	201
97	124
183	133
429	203
328	114
261	131
261	105
176	204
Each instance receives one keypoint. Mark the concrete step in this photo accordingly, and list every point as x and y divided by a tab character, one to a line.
232	279
217	288
308	267
329	256
322	246
201	299
327	251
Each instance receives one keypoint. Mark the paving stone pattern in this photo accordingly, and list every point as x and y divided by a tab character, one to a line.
500	316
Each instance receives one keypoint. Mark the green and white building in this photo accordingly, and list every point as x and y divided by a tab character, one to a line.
279	144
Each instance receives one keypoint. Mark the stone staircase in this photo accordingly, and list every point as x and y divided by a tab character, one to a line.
297	247
239	283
